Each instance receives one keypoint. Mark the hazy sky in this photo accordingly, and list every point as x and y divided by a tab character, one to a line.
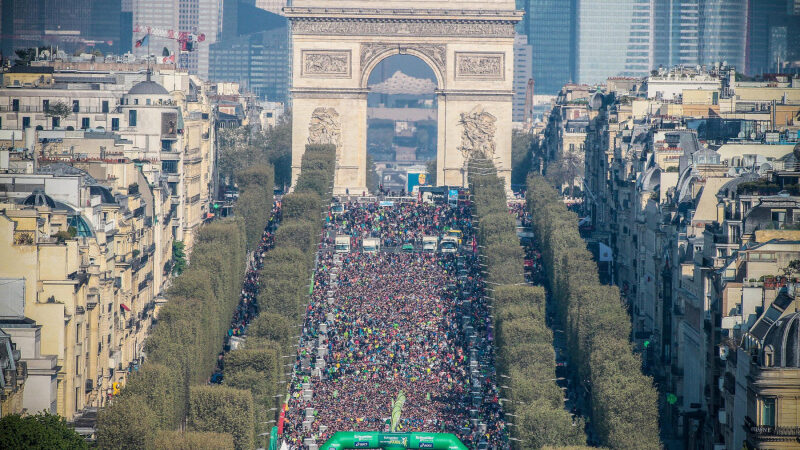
409	65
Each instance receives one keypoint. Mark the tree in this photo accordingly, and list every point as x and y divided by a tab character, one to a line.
41	431
127	423
540	424
179	257
792	268
26	55
431	171
373	179
192	440
521	156
58	109
223	409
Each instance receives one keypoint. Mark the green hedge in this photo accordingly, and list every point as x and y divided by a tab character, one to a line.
624	401
222	409
523	342
184	343
283	295
255	200
193	440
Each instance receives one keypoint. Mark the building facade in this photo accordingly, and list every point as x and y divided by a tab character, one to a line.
71	25
551	29
523	67
723	33
615	38
702	226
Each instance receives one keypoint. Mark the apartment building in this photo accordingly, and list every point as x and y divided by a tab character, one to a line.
90	206
691	179
150	121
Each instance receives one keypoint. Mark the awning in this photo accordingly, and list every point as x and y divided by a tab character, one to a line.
124	306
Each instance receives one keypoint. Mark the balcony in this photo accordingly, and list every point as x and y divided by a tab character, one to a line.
41	109
769	433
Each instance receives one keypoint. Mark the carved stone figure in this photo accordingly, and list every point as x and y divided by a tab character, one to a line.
406	28
325	128
480	65
326	63
477	141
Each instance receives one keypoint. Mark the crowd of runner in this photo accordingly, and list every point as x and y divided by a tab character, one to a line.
402	223
384	323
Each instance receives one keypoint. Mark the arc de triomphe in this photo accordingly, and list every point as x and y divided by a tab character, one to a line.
468	44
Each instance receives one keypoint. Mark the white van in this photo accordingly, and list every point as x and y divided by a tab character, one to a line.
429	243
371	245
448	245
342	244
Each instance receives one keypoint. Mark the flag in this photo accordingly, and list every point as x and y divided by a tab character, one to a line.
169	59
143	41
397	408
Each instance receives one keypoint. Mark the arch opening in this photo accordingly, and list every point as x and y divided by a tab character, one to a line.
402	124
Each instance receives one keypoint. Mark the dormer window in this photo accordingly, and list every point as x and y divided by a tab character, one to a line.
769	356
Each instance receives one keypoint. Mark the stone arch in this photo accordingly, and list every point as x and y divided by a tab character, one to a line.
434	55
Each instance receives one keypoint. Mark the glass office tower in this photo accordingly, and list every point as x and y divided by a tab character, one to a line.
615	38
550	27
723	34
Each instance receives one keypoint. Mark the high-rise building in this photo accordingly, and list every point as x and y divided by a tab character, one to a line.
550	27
69	24
723	32
615	38
523	66
182	16
676	33
768	30
258	61
161	14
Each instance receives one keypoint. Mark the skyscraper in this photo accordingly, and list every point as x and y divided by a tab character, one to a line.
768	29
615	38
157	14
253	51
182	16
69	24
676	32
523	65
723	32
550	27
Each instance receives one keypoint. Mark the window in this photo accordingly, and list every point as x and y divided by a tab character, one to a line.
132	118
56	122
147	102
779	216
85	123
115	124
26	122
169	166
136	101
104	107
15	104
767	412
76	106
166	145
46	105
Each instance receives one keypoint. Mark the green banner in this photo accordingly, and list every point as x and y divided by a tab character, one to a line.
355	439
